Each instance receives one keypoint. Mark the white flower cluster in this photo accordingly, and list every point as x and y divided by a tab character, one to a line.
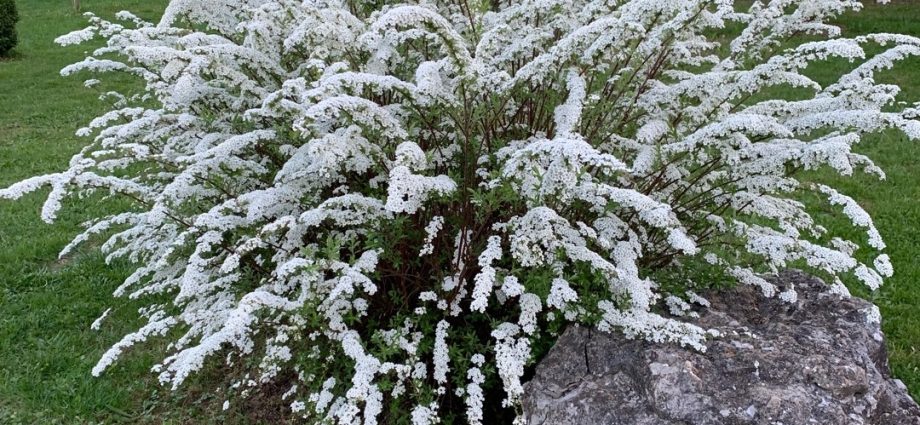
339	196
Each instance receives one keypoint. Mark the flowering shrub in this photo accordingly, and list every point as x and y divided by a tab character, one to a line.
391	209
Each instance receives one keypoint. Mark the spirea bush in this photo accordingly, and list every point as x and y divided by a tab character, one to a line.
391	209
8	18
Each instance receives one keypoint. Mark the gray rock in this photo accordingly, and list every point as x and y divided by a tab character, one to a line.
817	361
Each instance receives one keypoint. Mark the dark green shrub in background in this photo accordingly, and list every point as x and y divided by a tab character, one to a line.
8	19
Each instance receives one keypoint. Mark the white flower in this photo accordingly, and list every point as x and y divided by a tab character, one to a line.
441	354
431	232
320	192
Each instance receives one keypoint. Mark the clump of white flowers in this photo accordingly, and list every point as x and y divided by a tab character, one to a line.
392	208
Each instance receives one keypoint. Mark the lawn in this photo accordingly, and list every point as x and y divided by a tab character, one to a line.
47	304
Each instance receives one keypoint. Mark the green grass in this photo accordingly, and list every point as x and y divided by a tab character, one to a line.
893	203
47	305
